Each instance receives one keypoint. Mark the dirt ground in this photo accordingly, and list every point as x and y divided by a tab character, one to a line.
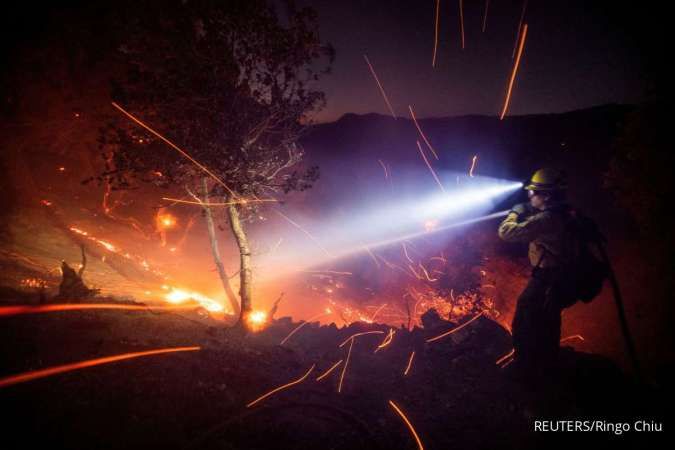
454	394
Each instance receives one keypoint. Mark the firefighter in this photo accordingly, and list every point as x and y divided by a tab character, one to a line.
542	223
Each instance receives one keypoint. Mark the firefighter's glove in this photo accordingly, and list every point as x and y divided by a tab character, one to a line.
522	209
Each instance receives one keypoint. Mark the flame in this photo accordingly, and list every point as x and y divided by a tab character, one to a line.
166	221
177	296
256	320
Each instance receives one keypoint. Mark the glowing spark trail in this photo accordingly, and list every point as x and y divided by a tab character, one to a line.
426	161
344	368
455	329
513	73
307	233
351	338
6	311
407	369
407	422
384	94
273	391
419	130
175	147
387	340
303	324
386	174
33	375
377	311
241	202
433	59
505	357
487	5
569	338
326	373
473	165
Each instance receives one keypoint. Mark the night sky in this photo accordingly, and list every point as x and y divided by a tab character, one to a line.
577	54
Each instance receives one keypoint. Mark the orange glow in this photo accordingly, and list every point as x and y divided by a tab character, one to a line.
326	373
410	360
377	312
62	169
344	368
256	320
287	385
513	73
454	329
419	130
42	373
379	85
426	161
407	422
165	221
433	59
6	311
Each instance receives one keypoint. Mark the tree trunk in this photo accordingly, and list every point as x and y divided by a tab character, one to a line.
245	272
231	296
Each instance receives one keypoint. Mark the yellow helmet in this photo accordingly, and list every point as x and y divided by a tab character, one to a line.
548	180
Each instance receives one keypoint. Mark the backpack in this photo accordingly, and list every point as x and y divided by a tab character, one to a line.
588	269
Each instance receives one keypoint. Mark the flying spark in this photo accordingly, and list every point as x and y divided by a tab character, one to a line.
6	311
327	372
175	147
42	373
307	233
410	360
325	313
473	165
407	422
351	338
426	161
487	5
505	357
419	130
455	329
240	202
387	340
513	73
377	80
287	385
344	368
